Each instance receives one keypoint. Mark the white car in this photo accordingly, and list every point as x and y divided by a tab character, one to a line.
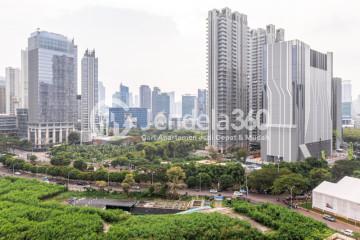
238	194
347	232
17	173
213	191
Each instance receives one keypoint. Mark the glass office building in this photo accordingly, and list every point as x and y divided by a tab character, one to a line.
52	74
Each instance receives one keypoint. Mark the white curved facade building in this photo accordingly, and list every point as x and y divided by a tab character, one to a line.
298	89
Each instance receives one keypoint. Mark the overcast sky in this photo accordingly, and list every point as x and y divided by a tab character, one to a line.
163	42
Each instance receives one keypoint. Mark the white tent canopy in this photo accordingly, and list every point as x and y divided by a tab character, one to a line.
341	199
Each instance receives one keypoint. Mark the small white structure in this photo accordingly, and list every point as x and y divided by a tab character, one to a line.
340	199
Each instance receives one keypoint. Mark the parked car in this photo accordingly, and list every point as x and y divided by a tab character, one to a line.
237	194
347	232
213	191
17	173
329	218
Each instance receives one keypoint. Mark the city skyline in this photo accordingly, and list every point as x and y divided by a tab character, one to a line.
181	37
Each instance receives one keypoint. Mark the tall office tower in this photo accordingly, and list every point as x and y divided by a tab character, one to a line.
22	117
2	95
24	78
160	103
228	45
89	96
13	90
258	40
145	96
336	112
201	102
299	121
52	66
346	102
188	105
172	103
124	94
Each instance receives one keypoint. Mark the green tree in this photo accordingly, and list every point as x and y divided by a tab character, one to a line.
128	182
262	180
192	182
175	175
290	183
80	164
74	138
60	160
150	152
351	151
33	158
344	168
205	180
226	181
241	155
318	175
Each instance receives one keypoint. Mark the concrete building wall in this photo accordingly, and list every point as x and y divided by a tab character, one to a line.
299	121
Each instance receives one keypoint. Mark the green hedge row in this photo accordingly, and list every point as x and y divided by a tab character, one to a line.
287	223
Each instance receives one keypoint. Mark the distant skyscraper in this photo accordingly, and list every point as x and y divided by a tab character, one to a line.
188	105
201	102
2	95
145	96
116	100
13	90
160	103
124	94
22	117
24	79
298	81
171	103
336	112
52	71
102	97
346	102
102	92
228	40
258	40
89	95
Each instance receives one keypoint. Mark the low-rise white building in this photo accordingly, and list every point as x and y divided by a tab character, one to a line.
340	199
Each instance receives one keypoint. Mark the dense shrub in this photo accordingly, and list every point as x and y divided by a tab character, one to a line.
287	223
